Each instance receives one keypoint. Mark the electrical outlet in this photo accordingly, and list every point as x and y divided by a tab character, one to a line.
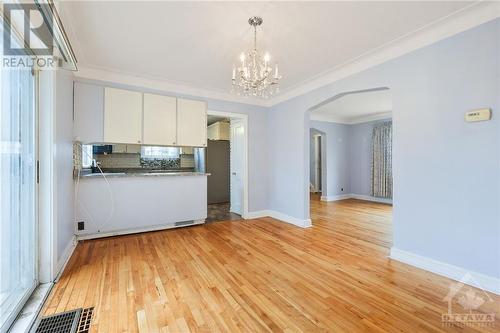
81	225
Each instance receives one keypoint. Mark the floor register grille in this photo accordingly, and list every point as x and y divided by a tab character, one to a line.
74	321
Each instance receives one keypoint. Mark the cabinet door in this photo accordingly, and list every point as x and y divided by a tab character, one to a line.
122	116
191	123
160	116
88	118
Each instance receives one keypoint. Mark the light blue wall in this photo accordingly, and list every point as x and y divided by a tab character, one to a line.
337	155
446	171
360	157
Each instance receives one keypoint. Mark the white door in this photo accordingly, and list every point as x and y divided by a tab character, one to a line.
237	157
160	114
122	116
18	192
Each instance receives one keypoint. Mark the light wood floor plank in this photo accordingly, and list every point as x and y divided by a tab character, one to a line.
259	275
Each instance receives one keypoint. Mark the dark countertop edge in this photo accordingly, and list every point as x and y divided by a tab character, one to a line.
146	174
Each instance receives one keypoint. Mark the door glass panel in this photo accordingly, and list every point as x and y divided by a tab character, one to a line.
18	245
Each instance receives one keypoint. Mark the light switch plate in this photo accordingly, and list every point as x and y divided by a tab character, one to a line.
478	115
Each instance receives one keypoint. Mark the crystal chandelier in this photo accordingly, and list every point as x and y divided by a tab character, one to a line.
255	77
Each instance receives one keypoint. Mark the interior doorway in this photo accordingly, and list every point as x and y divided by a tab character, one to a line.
351	153
226	161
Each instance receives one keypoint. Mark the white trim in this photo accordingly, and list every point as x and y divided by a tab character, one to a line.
156	83
478	280
467	18
280	216
137	230
244	118
66	255
370	198
335	197
355	196
31	309
257	214
290	219
353	121
47	206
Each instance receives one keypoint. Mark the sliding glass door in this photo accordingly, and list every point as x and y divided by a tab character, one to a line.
18	191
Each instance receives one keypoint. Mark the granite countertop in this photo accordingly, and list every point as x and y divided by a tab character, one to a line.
143	174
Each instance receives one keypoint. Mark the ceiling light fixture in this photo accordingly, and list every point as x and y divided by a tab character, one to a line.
255	77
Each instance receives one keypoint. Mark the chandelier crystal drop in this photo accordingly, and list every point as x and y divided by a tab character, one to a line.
255	76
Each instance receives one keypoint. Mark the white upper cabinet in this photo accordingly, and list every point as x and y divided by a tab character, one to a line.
122	116
218	131
191	123
88	123
111	115
159	120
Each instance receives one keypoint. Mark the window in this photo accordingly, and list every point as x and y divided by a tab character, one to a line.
87	156
150	152
18	195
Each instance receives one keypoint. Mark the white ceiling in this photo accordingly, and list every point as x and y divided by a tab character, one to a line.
194	44
356	107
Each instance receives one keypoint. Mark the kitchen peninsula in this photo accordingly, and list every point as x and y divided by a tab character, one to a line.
139	161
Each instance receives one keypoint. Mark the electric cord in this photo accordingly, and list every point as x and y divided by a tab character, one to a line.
108	185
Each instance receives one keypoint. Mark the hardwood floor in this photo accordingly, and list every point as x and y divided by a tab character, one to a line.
259	275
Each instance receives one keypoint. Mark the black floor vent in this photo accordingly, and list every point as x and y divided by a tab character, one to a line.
85	320
66	322
75	321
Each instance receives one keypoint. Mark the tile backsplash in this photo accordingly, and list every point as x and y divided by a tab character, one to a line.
158	163
121	158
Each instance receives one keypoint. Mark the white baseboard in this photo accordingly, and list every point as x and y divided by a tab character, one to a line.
257	214
279	216
355	196
478	280
137	230
370	198
66	255
335	197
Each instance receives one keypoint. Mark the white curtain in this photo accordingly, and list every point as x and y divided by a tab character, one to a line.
382	160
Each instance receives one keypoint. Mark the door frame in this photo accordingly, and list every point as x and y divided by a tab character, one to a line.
244	119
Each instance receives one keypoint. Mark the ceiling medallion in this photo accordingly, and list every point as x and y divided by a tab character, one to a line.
255	76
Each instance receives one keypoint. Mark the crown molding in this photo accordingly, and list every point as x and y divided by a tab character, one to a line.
350	121
100	74
467	18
